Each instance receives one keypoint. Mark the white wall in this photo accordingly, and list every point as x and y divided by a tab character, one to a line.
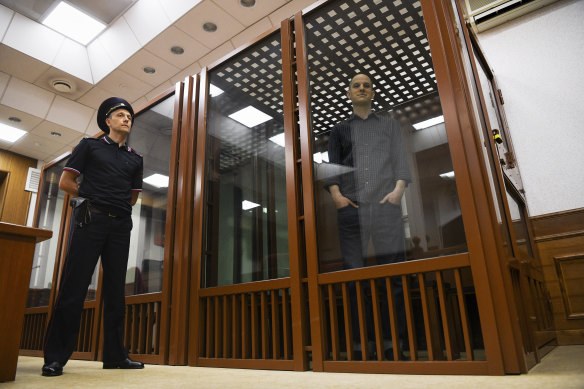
538	62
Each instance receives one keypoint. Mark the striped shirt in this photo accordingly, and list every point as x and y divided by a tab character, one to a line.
375	150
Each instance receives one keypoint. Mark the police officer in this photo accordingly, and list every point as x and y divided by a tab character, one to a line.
111	182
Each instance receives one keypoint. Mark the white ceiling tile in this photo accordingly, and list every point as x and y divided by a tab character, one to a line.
147	19
119	41
177	8
101	63
21	65
92	128
5	18
143	58
251	33
217	54
289	10
122	84
33	38
35	146
72	58
70	114
138	104
191	70
95	97
160	89
249	15
68	135
78	86
3	82
207	11
27	97
161	45
27	121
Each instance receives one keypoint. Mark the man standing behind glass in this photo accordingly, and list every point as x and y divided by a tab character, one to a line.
368	195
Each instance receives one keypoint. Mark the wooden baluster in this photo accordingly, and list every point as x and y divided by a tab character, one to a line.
218	328
377	320
244	327
334	322
254	328
265	346
275	301
236	327
286	327
226	333
392	318
446	325
348	323
362	322
410	318
463	315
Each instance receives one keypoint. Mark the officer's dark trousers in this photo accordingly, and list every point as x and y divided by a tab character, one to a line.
382	225
109	237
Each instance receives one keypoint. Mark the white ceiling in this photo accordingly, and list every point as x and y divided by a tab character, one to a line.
33	56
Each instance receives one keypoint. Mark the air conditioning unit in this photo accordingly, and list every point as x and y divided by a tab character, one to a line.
33	179
486	14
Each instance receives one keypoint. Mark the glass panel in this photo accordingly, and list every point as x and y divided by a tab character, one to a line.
151	136
48	217
491	161
246	233
364	159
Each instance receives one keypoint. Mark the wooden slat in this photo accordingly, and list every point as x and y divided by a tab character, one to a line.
149	328
217	323
444	315
334	325
248	287
427	330
463	315
348	323
265	346
410	318
392	318
244	327
236	327
286	327
135	329
362	322
254	328
226	333
209	328
142	330
376	321
275	303
158	325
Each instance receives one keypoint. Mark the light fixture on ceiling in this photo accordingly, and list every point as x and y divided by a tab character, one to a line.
250	116
73	23
247	3
214	91
210	27
10	134
177	50
447	176
157	180
149	70
55	133
246	205
14	119
429	122
279	139
62	86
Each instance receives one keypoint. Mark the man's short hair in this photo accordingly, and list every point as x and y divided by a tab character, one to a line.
358	73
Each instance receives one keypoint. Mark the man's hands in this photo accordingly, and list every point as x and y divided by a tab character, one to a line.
395	196
338	198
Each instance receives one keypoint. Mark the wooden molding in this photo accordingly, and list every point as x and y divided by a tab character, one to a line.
570	277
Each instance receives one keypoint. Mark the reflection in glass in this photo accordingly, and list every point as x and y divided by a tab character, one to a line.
389	44
151	136
245	216
519	224
49	218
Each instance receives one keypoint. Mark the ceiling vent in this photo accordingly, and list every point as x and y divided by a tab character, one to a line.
486	14
32	180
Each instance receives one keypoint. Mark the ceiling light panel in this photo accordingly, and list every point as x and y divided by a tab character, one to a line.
10	134
73	23
250	116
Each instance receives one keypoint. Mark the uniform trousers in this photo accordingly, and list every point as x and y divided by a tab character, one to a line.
382	225
109	237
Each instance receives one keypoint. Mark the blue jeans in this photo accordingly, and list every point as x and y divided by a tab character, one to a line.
382	225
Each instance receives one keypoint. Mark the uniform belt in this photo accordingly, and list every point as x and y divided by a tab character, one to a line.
94	209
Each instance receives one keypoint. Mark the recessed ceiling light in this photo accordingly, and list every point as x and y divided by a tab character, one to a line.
210	27
247	3
62	86
14	119
177	50
279	139
55	133
245	205
9	133
214	91
157	180
73	23
429	122
148	70
250	116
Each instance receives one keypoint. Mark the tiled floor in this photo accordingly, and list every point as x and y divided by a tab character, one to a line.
562	368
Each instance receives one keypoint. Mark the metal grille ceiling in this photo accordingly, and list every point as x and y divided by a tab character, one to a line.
385	39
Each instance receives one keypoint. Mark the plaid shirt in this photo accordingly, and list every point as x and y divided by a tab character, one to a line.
375	151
